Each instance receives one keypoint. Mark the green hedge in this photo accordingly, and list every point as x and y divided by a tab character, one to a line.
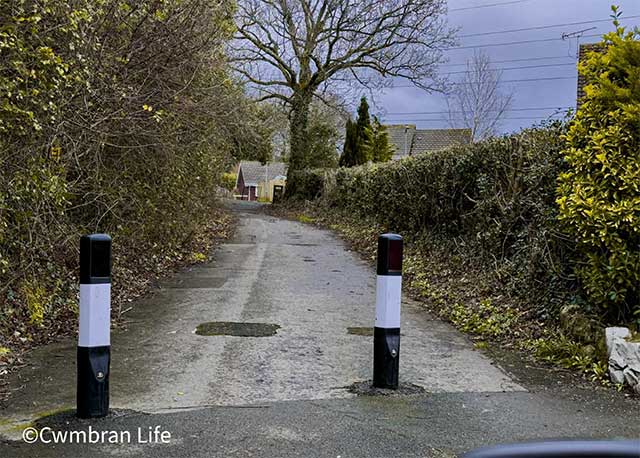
495	198
491	189
308	184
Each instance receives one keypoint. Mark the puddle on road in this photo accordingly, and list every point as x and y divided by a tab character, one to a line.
229	328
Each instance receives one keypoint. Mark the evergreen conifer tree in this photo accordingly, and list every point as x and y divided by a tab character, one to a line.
378	148
350	151
363	126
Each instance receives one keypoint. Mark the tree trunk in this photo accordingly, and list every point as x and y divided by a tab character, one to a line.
298	124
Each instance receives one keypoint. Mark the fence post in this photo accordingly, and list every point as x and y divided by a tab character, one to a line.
386	333
94	336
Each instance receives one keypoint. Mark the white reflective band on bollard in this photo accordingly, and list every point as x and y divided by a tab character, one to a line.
388	297
95	315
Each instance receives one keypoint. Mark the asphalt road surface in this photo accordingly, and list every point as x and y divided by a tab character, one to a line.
176	393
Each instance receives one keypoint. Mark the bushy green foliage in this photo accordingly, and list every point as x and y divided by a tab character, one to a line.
118	117
357	138
558	349
322	139
599	194
351	145
486	320
493	200
310	184
33	73
229	181
378	148
485	187
363	124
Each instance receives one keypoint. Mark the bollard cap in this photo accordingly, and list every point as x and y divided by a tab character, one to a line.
95	259
389	254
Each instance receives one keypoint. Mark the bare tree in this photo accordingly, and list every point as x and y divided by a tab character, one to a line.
291	49
477	101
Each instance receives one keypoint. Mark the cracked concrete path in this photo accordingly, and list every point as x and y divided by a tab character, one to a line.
285	394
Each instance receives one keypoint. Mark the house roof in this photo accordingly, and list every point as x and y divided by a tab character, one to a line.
438	139
401	137
585	49
254	172
420	141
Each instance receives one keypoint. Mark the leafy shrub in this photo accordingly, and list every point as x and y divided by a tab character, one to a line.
558	349
36	298
492	202
116	117
456	190
486	320
309	184
599	193
229	181
306	219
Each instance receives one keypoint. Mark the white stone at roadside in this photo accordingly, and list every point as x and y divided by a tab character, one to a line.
624	357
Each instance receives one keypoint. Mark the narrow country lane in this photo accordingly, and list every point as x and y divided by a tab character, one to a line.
286	394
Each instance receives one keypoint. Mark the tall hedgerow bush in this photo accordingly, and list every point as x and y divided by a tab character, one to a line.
116	116
492	201
599	194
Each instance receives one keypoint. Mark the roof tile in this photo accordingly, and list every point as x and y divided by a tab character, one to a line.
424	140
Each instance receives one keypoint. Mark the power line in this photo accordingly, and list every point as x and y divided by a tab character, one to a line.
515	60
491	45
516	68
515	118
489	5
446	112
503	81
497	32
576	34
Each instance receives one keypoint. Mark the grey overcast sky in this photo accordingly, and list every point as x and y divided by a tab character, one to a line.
478	16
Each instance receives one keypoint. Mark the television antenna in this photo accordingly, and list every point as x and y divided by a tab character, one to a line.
577	35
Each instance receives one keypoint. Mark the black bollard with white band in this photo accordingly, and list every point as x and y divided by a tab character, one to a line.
386	333
94	339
